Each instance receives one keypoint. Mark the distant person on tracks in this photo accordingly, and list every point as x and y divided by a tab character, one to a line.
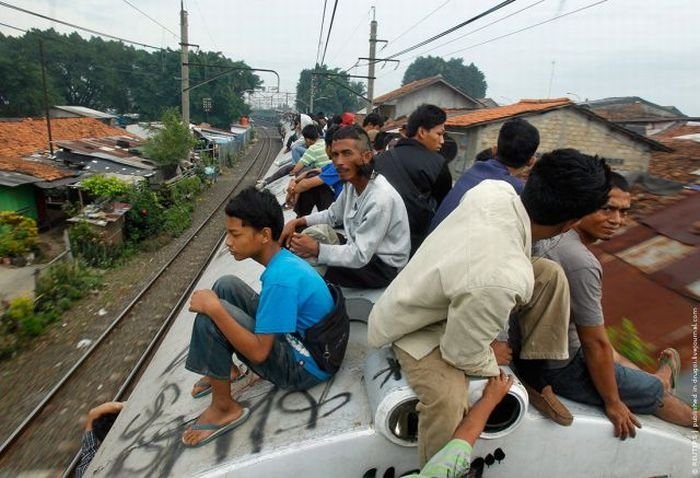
233	318
376	242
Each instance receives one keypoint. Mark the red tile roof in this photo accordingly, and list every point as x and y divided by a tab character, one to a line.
27	136
21	138
502	112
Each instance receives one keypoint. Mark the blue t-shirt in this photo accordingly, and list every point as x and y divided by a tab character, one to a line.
293	297
330	177
481	170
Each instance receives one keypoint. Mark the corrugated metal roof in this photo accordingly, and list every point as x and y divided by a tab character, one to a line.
677	221
12	179
656	253
84	111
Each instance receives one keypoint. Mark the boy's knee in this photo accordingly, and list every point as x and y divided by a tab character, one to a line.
227	282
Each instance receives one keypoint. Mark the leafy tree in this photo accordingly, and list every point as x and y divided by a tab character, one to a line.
467	78
172	143
329	96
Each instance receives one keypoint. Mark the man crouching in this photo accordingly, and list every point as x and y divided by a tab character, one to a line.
232	317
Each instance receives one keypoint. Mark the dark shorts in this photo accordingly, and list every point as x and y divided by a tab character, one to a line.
640	391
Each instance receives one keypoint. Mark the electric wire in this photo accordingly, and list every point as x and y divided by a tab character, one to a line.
78	27
320	32
491	10
350	37
330	29
416	24
151	18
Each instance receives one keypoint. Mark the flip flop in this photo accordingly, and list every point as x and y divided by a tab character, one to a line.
206	386
672	358
218	430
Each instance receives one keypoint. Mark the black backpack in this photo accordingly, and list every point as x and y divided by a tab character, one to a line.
327	340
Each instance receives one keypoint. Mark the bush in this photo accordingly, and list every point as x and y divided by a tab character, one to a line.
145	219
626	340
172	143
104	188
87	244
18	234
177	219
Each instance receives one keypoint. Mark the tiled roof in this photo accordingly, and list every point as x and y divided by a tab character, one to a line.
27	136
630	107
407	88
502	112
38	169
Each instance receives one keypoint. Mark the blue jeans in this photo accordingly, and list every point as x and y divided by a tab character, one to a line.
210	351
640	391
298	151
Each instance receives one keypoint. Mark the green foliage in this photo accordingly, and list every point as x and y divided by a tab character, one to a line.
110	75
57	289
186	189
329	97
626	340
87	244
18	234
172	143
104	187
145	219
467	78
177	219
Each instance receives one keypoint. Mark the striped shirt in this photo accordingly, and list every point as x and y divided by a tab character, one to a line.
315	155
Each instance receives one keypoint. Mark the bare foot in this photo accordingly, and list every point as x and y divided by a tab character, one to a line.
211	416
665	371
203	384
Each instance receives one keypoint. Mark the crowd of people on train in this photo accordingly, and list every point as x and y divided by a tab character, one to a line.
490	271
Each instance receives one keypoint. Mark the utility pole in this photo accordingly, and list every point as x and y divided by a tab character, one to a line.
46	95
185	67
372	55
311	96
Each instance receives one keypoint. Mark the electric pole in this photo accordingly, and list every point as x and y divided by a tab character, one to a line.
372	55
185	68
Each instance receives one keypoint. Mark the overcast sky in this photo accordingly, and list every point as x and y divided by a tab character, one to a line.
616	48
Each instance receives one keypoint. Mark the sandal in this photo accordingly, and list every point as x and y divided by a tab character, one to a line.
205	387
672	359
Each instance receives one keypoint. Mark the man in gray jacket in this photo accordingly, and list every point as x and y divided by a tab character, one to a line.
376	241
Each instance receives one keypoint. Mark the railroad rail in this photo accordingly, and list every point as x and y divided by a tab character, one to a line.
92	364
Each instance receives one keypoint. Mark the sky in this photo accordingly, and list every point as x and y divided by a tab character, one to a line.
613	48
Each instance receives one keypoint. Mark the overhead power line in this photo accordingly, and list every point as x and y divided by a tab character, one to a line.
454	28
330	29
320	32
151	18
78	27
586	7
416	24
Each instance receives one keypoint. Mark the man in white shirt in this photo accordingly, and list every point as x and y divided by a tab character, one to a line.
447	306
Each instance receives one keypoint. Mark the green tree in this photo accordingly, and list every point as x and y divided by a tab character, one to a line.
467	78
172	143
329	96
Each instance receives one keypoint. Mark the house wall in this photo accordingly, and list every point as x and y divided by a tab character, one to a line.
437	94
19	199
565	128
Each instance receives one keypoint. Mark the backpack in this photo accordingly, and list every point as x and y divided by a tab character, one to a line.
327	340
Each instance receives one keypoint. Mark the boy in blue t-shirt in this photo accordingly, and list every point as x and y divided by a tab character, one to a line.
232	317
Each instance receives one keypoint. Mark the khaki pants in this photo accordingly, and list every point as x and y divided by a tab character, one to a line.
442	389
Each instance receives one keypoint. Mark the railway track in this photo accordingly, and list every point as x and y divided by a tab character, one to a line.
115	359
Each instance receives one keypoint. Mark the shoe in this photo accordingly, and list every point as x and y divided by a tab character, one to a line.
260	185
672	358
218	429
547	403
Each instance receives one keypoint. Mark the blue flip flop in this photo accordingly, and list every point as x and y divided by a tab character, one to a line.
218	430
673	360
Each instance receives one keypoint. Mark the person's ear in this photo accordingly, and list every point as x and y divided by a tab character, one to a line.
266	234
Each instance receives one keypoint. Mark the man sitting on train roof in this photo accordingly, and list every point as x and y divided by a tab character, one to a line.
445	309
517	142
594	373
316	188
373	216
232	317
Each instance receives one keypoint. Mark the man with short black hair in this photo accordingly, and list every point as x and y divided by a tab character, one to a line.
416	170
591	374
517	142
445	309
371	212
261	329
372	124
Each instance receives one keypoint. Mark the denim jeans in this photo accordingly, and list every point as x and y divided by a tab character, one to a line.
298	151
640	391
210	351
